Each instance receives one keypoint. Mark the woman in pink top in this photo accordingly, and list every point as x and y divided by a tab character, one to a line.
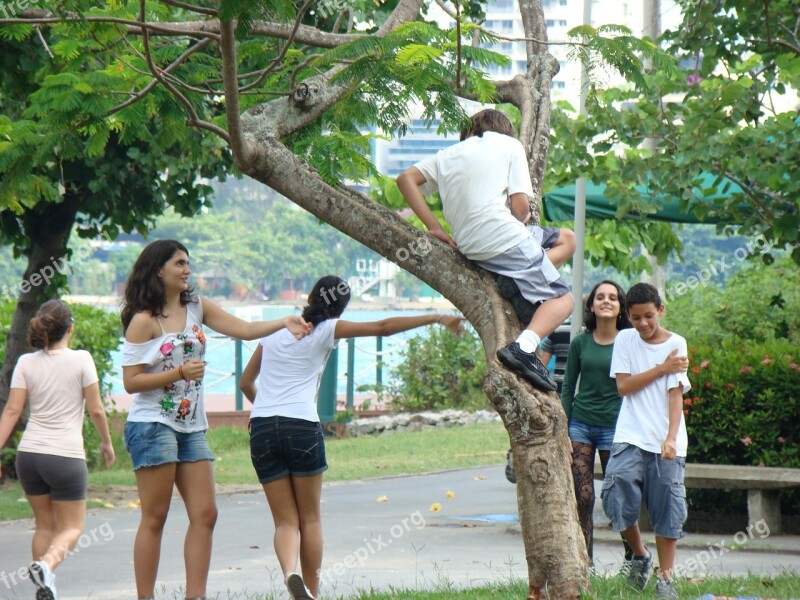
51	463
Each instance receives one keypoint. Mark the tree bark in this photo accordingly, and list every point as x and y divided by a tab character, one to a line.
47	227
554	545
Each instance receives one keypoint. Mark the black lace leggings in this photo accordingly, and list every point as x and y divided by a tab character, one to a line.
583	476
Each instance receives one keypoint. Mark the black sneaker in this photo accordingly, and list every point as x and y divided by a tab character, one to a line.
528	365
509	290
510	474
641	569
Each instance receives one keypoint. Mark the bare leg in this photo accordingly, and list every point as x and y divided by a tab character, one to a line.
45	525
307	492
563	249
633	536
195	481
286	517
155	493
666	548
70	517
551	314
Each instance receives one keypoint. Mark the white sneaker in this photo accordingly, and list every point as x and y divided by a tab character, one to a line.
44	580
297	587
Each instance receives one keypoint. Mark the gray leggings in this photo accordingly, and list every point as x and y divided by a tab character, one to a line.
63	478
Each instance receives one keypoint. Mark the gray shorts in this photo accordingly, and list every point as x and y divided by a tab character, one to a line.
527	264
633	474
62	477
546	236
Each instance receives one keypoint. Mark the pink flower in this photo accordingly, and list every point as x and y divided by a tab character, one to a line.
704	364
695	370
793	366
746	369
746	441
687	402
767	361
693	79
781	439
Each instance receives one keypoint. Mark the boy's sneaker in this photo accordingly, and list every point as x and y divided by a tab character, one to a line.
666	589
297	587
528	365
641	569
509	290
510	474
625	569
44	580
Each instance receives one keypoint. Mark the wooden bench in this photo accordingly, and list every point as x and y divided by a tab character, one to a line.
762	485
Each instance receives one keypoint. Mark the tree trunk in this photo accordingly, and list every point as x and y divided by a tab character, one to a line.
554	545
48	227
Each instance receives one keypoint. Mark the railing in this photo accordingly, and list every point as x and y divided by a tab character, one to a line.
328	393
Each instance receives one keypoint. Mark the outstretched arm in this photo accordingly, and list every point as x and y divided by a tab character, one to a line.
349	329
226	324
247	382
408	183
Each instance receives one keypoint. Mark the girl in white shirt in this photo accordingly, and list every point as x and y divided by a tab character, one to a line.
286	440
51	463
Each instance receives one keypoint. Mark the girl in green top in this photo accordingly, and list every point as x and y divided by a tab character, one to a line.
593	410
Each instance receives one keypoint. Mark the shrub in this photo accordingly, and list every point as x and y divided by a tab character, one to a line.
742	410
440	371
96	331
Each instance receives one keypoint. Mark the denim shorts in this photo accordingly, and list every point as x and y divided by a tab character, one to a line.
282	446
596	435
633	474
151	444
63	478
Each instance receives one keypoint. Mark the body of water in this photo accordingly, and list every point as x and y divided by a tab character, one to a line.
220	352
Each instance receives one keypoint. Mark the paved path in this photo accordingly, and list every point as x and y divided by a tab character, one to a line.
472	540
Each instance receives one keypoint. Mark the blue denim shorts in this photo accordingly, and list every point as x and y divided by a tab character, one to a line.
633	474
282	446
151	444
596	435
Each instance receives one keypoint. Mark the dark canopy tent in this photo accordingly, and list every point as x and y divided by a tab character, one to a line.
559	205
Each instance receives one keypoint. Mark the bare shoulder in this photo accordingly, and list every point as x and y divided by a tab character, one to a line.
142	328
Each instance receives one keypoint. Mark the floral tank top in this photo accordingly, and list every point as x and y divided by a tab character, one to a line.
180	404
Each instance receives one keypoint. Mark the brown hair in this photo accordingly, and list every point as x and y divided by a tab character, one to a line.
144	290
50	324
489	119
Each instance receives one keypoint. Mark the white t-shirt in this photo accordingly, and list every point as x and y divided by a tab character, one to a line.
180	404
291	371
644	418
475	179
54	382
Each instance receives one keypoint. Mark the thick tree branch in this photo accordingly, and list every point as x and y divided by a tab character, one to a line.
239	147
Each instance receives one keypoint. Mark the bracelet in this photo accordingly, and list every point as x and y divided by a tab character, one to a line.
180	372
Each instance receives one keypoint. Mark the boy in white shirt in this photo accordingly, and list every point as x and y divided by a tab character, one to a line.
485	187
648	455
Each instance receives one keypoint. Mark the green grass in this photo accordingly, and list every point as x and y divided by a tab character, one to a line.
348	459
782	587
